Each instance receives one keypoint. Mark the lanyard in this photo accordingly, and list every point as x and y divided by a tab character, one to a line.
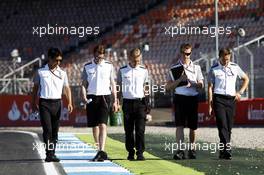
55	74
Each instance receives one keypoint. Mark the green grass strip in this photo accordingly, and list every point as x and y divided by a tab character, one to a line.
152	166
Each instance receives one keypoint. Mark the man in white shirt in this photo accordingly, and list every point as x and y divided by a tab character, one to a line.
97	86
186	100
49	83
222	97
133	89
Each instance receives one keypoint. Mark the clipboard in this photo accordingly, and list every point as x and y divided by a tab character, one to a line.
176	72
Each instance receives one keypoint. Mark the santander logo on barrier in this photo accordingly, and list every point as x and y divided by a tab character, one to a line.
14	113
28	113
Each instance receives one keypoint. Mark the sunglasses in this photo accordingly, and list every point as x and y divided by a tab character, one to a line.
58	60
187	54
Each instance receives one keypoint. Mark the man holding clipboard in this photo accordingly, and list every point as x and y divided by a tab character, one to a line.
185	78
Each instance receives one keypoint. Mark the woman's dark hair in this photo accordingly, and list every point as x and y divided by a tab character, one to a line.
53	53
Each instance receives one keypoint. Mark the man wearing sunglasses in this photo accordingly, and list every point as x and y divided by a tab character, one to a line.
49	83
186	100
222	97
98	84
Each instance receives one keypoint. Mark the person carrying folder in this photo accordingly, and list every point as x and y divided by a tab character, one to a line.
186	79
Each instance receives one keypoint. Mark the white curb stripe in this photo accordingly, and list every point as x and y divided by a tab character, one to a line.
75	154
73	149
84	166
81	161
95	169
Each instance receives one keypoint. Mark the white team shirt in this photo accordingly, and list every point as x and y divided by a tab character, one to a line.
194	74
132	81
224	78
99	77
51	83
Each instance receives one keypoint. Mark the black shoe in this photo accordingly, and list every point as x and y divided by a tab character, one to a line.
100	156
140	157
52	158
179	155
55	159
228	155
131	156
192	154
48	159
225	155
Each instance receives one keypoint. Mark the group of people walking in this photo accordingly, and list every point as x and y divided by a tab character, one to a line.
100	93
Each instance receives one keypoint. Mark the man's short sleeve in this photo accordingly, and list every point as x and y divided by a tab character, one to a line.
199	74
119	77
146	76
168	76
240	72
211	77
66	81
119	82
84	74
113	75
36	78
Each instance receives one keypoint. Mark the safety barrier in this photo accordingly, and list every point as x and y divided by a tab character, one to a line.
16	110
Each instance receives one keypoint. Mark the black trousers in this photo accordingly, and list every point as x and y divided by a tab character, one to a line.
134	119
224	108
50	111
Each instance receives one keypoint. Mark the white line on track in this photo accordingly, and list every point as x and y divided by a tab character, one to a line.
95	169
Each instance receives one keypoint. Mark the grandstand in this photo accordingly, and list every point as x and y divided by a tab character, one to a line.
133	24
